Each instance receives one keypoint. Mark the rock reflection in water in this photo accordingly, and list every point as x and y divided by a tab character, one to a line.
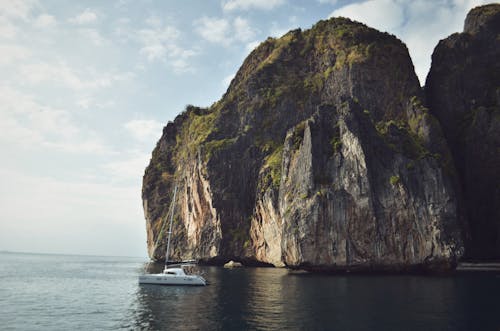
235	299
270	299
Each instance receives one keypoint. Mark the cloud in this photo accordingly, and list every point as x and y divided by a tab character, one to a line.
144	130
383	15
419	23
156	42
85	17
179	59
154	21
17	9
215	30
86	102
12	54
13	11
7	29
128	168
231	5
93	35
223	31
243	31
29	124
53	215
66	76
45	21
161	43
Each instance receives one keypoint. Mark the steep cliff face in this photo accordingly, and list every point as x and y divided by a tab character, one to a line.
463	92
320	155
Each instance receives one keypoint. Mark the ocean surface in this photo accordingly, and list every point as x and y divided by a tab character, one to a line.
62	292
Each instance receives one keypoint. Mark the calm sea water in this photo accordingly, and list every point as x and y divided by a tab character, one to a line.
60	292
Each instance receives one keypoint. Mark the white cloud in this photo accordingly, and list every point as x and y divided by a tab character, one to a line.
332	2
181	63
64	75
84	102
7	29
87	102
93	35
156	42
45	21
251	4
88	145
383	15
161	43
215	30
27	123
243	31
121	3
12	54
144	130
154	51
18	9
71	216
154	21
223	31
419	23
129	168
85	17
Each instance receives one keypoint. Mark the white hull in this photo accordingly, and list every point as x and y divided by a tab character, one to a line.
172	275
166	279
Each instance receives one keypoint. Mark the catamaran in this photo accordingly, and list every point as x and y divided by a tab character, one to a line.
174	274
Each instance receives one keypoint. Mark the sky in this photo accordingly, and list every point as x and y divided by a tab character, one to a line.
87	86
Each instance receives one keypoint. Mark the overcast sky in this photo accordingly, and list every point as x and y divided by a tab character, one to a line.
87	86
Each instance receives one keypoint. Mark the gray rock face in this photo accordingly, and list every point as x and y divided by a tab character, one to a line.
320	155
362	204
463	92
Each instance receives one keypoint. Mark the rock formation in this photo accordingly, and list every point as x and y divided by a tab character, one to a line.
463	92
320	155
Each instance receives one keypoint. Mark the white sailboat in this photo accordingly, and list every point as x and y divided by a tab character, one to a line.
178	274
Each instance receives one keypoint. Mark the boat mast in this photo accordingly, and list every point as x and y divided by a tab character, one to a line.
170	228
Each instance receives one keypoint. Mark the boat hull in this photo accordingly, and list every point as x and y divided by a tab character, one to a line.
163	279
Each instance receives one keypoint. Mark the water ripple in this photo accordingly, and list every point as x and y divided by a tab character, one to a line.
91	293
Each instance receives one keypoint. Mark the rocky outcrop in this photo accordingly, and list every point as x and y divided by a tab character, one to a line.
365	203
231	264
463	92
320	155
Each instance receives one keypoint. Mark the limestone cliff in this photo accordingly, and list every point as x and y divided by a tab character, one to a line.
463	92
319	155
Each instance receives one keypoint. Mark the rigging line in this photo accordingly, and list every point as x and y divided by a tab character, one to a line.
161	232
170	228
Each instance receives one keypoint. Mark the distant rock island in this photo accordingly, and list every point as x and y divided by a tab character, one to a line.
326	154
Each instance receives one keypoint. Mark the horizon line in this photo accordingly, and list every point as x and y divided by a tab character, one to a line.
64	254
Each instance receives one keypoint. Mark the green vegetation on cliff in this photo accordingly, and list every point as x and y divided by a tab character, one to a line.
313	124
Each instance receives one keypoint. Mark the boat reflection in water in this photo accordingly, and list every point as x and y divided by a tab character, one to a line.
236	299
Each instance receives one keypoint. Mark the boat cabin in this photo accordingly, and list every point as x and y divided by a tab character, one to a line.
174	271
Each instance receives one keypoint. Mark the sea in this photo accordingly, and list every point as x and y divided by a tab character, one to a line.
63	292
